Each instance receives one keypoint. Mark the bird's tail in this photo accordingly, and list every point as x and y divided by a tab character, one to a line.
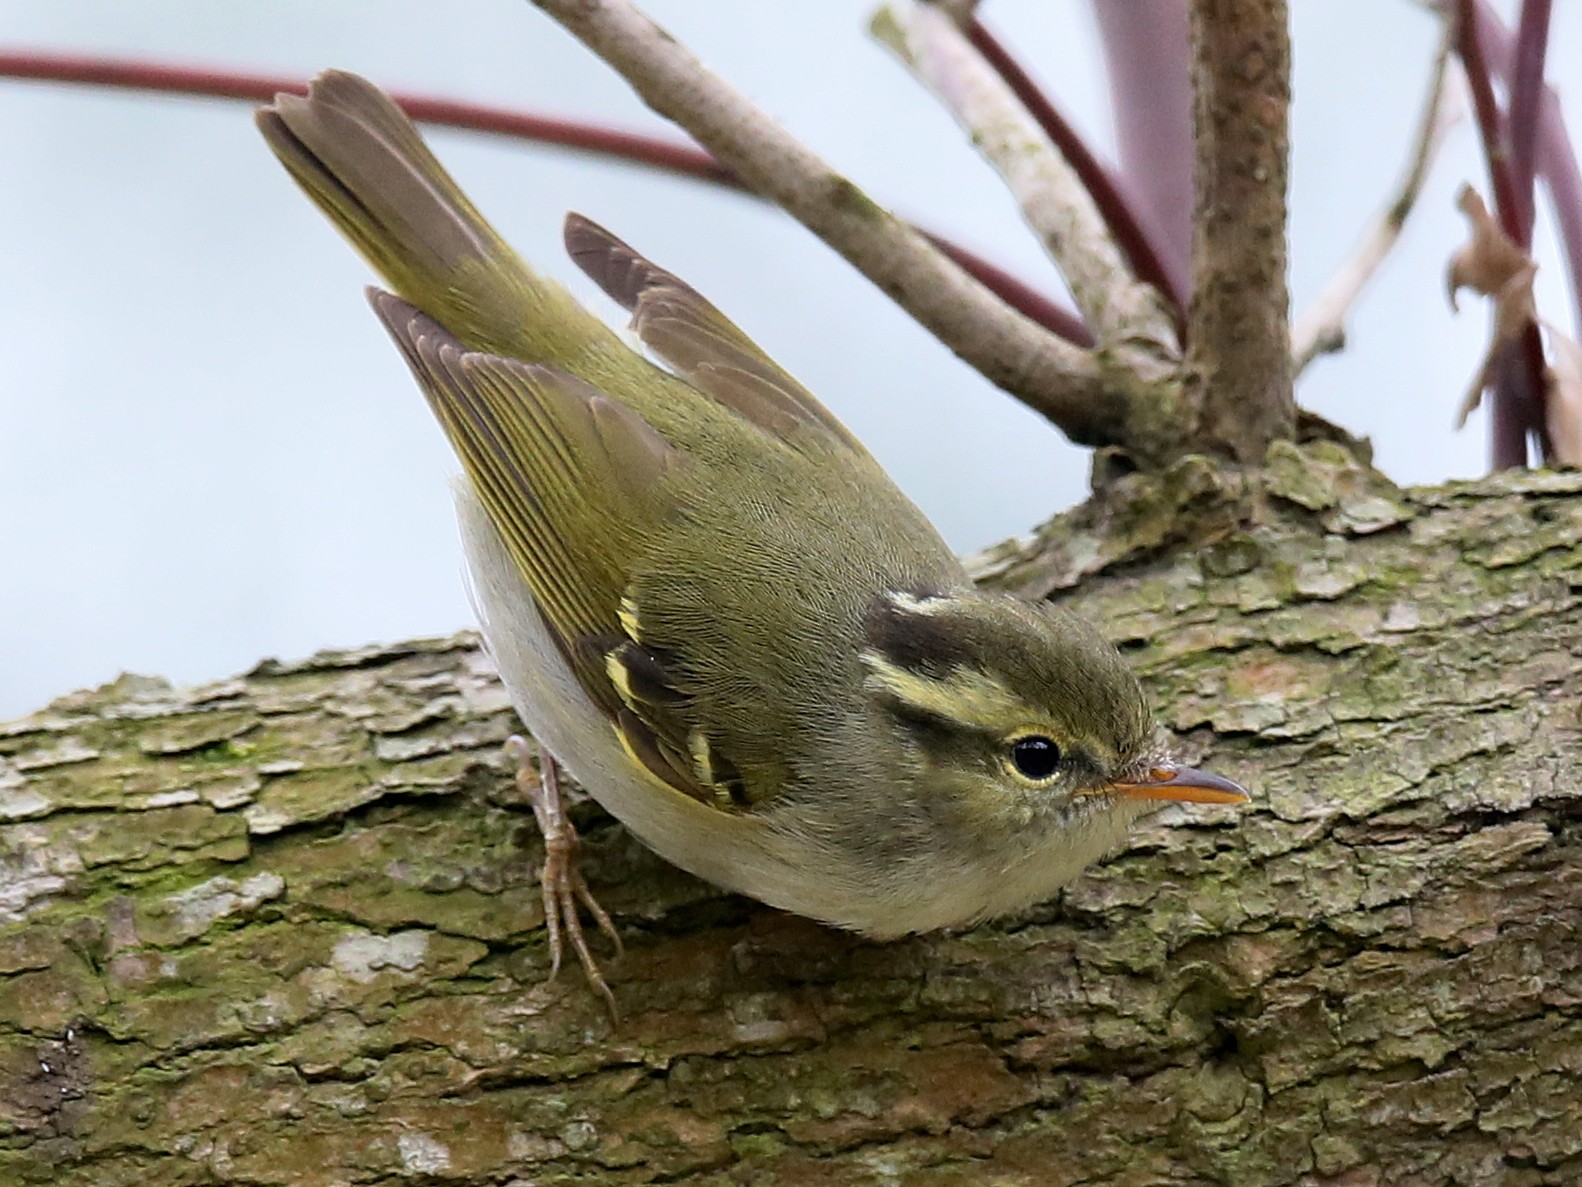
355	153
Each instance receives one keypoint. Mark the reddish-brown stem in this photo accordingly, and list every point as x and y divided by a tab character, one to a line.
1107	194
1027	301
228	84
1146	45
1516	392
1556	159
654	152
1526	89
1491	121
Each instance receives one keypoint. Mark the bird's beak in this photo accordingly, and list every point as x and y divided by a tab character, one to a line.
1181	783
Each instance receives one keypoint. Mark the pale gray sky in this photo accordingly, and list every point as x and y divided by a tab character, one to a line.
212	454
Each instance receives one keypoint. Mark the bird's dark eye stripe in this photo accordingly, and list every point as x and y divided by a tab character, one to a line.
924	724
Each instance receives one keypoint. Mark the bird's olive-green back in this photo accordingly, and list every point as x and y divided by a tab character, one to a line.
703	545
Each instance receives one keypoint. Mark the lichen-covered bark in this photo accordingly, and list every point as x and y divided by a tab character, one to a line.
284	929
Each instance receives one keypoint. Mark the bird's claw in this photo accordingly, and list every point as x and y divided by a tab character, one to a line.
562	884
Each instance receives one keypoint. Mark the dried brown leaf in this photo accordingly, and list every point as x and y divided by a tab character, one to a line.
1491	264
1490	260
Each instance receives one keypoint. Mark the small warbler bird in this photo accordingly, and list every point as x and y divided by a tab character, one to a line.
706	597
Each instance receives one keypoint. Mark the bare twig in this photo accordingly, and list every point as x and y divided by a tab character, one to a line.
1239	339
1061	381
1122	311
1322	326
1119	207
668	156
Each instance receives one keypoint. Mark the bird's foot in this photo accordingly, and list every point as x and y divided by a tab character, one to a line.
561	882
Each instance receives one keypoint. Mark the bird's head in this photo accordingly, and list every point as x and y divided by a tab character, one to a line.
1011	712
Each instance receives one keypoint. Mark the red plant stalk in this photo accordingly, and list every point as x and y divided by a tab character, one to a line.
1555	160
1147	54
1517	390
1526	89
1117	207
650	151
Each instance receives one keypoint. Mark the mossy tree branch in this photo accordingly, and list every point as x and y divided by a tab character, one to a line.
284	929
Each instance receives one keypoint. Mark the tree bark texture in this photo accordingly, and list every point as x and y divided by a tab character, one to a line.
284	929
1238	322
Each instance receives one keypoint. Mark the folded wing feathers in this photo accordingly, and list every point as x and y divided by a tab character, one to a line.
704	347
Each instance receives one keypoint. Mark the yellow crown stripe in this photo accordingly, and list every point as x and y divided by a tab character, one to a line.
963	695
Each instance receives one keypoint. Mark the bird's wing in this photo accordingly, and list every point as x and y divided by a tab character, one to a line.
577	486
700	343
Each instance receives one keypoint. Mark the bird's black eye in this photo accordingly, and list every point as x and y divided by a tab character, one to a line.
1035	757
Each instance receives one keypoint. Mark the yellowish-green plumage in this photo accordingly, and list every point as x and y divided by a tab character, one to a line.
708	598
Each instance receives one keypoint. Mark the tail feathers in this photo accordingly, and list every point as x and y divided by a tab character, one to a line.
359	158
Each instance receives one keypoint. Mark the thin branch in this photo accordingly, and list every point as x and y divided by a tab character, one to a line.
1239	340
1121	310
1117	206
667	156
1322	326
1059	380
